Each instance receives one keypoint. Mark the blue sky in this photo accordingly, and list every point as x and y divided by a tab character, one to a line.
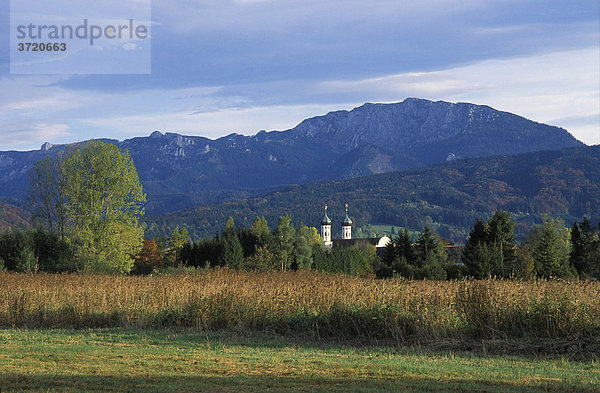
223	66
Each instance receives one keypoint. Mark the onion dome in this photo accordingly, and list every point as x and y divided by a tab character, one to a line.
326	220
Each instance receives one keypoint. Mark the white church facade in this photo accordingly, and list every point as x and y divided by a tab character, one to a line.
379	243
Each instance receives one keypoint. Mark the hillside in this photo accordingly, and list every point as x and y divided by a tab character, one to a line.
12	217
179	171
450	196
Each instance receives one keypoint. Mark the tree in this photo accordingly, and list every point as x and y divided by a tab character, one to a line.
546	253
260	230
548	245
262	260
232	252
302	248
283	237
47	192
477	256
585	249
428	248
501	234
179	238
389	254
404	246
104	203
148	259
229	228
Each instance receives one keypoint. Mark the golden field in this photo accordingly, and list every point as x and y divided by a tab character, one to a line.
304	303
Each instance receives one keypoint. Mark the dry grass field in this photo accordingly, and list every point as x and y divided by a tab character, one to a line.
308	304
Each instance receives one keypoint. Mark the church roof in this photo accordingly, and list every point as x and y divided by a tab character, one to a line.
347	220
326	220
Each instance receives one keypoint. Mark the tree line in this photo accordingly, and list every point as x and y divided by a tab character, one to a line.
256	248
88	202
548	250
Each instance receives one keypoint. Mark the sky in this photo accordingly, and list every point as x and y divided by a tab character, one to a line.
222	66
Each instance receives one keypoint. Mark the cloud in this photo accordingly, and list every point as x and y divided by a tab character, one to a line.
226	43
222	66
561	88
22	135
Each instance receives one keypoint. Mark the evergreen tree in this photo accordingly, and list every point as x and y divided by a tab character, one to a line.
577	254
229	227
429	248
404	246
500	232
546	254
475	256
232	254
585	249
390	254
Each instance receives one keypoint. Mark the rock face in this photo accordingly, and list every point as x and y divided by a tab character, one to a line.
181	171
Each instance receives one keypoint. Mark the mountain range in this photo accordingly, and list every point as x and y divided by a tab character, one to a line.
179	172
449	197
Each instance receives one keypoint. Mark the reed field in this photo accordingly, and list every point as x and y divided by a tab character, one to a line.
306	304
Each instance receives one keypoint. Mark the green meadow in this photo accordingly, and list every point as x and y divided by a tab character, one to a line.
134	360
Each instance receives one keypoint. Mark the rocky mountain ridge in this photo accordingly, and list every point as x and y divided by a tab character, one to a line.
180	171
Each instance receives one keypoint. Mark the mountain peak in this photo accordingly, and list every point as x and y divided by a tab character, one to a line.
178	171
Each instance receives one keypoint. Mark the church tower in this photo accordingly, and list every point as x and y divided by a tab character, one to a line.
347	226
326	230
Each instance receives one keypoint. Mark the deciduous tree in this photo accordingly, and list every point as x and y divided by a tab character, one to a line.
104	204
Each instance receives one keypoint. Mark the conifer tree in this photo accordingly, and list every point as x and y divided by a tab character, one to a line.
232	254
476	256
546	254
404	246
500	233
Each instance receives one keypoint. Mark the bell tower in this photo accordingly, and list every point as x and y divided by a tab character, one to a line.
347	226
326	230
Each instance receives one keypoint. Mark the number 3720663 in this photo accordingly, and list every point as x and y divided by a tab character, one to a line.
41	47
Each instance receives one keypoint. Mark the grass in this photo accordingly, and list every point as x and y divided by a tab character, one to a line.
309	304
132	360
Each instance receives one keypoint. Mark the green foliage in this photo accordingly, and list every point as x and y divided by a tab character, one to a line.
490	249
585	252
283	237
229	227
302	248
549	254
477	255
260	230
35	250
426	259
448	197
232	252
356	260
262	260
501	236
525	265
428	249
47	193
103	203
206	252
